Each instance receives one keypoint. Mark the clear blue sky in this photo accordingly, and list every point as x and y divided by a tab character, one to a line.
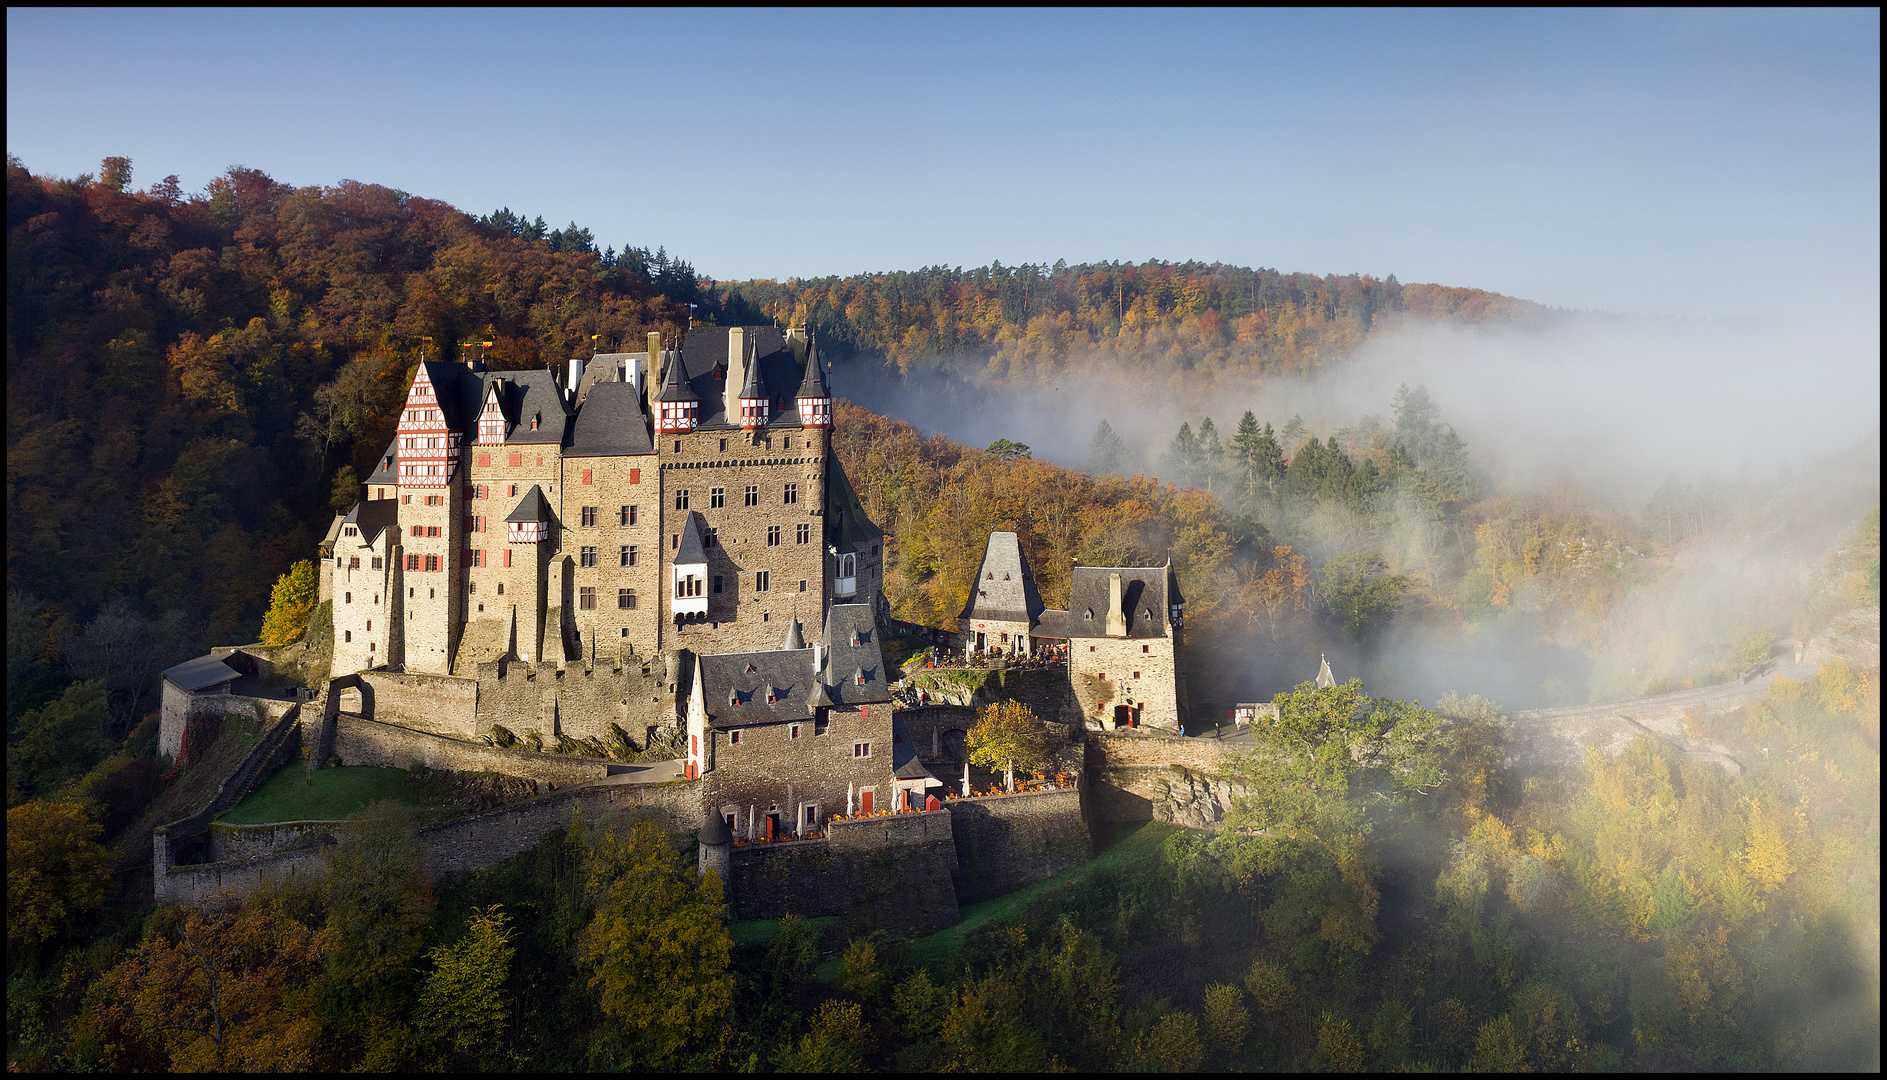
1691	162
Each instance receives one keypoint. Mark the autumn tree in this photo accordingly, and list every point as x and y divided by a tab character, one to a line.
228	990
657	948
1007	736
378	902
294	599
57	872
462	1002
60	740
1360	590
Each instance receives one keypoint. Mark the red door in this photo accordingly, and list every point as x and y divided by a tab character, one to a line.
864	804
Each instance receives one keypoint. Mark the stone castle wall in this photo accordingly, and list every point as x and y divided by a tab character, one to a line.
440	704
357	741
891	872
234	843
1136	776
1004	842
576	701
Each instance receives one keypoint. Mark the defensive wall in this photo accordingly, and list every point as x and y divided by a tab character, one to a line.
291	852
578	700
891	872
276	747
359	741
1004	842
1148	776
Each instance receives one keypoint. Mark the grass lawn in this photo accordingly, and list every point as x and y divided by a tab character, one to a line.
333	794
1132	843
763	931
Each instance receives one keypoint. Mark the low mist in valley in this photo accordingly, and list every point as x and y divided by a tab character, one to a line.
1710	468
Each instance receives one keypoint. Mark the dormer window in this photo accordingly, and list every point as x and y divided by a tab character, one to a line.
751	669
733	698
733	738
535	417
861	676
1090	615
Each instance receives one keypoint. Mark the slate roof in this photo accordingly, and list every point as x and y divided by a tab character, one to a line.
675	384
333	534
714	832
904	761
846	523
604	368
794	639
610	423
778	371
204	671
372	516
734	685
694	548
1143	591
528	394
1004	588
530	508
814	385
1051	623
388	471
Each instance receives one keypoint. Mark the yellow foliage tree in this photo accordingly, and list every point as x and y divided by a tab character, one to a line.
1007	735
1766	849
292	602
56	871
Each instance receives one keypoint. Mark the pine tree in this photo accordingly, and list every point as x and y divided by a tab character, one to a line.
1245	446
1416	416
1181	460
1211	456
1107	454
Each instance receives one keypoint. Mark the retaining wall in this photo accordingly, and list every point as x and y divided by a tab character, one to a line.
441	704
1149	777
891	872
358	741
233	843
576	702
1004	842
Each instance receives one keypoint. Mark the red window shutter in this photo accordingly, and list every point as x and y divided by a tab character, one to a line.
586	476
635	476
517	459
484	459
507	556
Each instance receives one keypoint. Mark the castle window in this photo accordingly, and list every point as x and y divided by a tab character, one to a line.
540	459
717	497
432	530
678	446
514	487
733	737
501	585
723	441
587	555
350	531
412	562
1136	674
1002	639
1090	648
681	499
417	531
626	601
501	588
802	584
635	476
790	495
369	625
773	536
861	749
586	598
819	724
1146	648
804	535
514	460
787	443
435	500
586	476
347	598
762	581
474	557
432	563
753	495
626	516
628	555
713	537
484	459
589	515
793	731
1090	618
376	562
353	563
347	635
717	583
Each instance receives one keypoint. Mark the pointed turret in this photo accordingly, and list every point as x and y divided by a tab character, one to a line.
753	400
1325	680
678	407
815	397
795	639
690	568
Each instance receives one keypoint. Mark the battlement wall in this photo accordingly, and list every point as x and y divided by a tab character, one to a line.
1137	776
577	701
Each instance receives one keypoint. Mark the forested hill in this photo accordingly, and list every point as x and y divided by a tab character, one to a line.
194	382
1020	319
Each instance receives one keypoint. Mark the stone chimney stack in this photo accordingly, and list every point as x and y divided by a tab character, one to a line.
1116	614
652	380
736	372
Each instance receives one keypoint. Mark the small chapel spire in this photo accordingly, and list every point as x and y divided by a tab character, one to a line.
1325	680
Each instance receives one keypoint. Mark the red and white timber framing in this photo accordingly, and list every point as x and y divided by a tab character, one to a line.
428	450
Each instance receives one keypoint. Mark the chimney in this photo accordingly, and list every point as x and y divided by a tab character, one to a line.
1116	615
736	373
576	375
651	385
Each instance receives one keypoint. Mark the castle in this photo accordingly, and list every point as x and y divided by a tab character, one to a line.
696	488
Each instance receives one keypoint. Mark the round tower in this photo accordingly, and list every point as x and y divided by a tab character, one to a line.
677	407
717	846
754	405
815	397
